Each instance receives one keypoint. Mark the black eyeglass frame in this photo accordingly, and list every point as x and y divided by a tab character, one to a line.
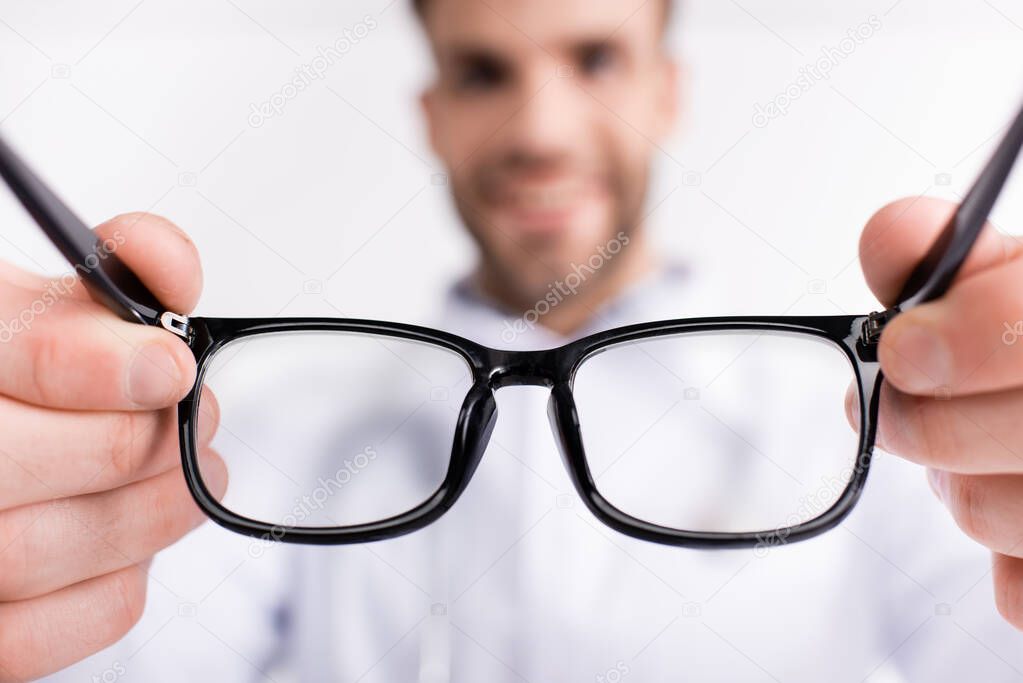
114	285
553	368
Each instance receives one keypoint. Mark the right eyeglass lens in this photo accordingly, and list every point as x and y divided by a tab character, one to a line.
737	432
333	429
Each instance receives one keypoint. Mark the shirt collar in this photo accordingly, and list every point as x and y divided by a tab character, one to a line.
470	312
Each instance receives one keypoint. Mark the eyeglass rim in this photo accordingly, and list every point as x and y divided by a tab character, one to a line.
554	368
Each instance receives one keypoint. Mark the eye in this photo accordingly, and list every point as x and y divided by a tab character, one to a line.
479	75
597	58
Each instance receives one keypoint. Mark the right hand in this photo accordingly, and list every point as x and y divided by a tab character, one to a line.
90	477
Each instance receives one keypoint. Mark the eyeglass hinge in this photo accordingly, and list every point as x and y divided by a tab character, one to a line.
875	323
176	323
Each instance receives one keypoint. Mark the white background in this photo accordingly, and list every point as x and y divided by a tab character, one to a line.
116	102
336	194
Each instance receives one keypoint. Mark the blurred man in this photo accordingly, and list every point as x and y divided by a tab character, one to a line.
547	117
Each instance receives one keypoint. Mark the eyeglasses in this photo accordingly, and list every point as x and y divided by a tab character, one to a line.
697	432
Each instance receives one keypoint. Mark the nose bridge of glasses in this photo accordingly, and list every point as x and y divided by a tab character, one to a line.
518	368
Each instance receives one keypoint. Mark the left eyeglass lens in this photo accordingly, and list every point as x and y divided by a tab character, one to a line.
333	429
728	432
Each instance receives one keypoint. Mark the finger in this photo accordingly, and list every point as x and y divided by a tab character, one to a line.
50	545
963	343
1007	572
48	633
160	253
969	434
19	277
58	348
50	454
897	237
986	507
77	355
155	249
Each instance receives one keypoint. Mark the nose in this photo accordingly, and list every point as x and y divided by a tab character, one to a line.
547	116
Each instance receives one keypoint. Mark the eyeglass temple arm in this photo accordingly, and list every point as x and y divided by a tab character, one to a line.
109	281
116	286
934	274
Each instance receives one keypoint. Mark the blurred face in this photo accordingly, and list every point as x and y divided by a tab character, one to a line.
544	114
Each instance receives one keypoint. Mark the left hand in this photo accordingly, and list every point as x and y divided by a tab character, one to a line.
953	393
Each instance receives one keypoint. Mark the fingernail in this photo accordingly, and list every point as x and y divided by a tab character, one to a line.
938	481
921	358
153	377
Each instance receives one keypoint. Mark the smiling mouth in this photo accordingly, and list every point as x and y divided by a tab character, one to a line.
547	207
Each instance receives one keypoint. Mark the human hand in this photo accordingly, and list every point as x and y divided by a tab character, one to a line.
953	394
90	482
